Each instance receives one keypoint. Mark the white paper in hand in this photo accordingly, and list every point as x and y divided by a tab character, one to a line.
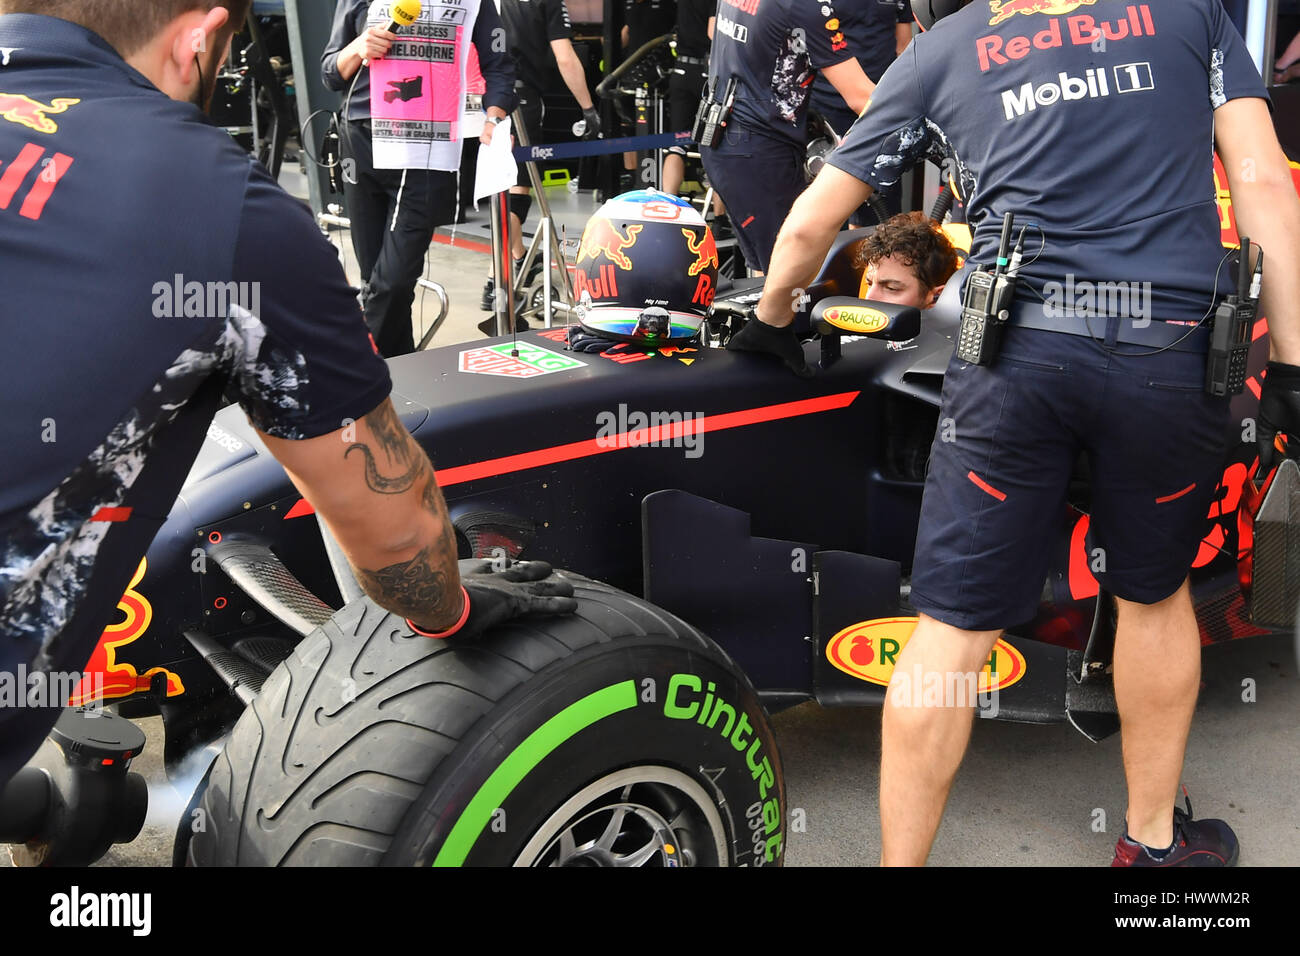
497	170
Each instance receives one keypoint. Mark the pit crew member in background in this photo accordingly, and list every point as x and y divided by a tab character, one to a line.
690	70
909	261
771	50
643	21
538	32
1133	397
394	212
877	31
108	401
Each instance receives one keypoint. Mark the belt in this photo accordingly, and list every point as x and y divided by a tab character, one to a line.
1113	330
693	60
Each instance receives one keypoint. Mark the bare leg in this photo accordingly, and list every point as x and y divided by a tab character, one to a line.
922	746
517	227
674	173
1157	677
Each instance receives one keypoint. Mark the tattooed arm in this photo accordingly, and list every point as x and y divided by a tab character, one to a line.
374	487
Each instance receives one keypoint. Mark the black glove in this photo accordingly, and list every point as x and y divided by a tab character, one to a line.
758	336
592	118
1279	411
494	597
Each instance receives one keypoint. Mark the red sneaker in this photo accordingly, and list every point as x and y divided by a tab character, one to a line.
1196	843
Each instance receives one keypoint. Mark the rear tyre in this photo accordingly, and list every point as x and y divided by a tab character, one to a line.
619	736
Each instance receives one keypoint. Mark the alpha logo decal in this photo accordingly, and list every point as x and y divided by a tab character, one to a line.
869	650
532	361
1006	9
103	676
857	319
31	113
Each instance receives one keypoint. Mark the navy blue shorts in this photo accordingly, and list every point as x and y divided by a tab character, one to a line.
1007	442
758	177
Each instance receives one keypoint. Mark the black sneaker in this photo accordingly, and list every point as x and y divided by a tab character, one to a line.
1196	843
489	288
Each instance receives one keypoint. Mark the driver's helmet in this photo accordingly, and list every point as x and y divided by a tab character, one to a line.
647	270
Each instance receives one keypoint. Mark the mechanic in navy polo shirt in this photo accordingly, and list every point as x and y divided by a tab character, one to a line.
772	48
877	31
116	188
1043	129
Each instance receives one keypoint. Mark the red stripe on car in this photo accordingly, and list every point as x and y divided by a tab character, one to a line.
593	446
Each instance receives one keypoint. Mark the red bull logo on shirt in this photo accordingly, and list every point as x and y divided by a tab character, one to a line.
31	113
1006	9
1083	29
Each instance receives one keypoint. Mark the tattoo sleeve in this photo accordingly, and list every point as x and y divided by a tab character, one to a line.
424	588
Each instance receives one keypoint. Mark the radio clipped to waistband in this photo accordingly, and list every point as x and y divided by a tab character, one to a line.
987	303
1234	322
713	114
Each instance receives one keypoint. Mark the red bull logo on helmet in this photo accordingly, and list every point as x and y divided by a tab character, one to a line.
602	237
1006	9
31	113
703	248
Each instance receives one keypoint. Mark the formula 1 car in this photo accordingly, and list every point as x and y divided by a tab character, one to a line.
692	492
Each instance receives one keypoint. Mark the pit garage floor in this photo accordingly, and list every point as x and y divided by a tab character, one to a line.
1026	795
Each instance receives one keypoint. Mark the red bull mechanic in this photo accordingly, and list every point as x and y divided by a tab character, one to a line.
1093	121
153	271
760	72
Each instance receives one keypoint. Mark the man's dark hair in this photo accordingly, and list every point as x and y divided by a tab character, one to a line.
916	242
128	25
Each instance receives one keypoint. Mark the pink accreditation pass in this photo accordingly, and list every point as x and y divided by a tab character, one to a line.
418	90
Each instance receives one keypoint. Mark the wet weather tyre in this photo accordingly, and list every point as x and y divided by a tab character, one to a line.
619	736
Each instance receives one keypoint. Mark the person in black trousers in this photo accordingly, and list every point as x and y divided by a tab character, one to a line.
394	212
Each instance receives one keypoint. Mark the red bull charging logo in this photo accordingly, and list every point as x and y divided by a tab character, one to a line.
31	113
704	249
602	236
1003	10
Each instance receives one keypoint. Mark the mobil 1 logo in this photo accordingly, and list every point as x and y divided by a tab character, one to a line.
1097	83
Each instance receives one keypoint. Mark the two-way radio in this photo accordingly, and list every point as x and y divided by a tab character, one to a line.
987	303
711	120
1234	321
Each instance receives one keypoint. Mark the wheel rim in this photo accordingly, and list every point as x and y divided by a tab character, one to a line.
641	816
